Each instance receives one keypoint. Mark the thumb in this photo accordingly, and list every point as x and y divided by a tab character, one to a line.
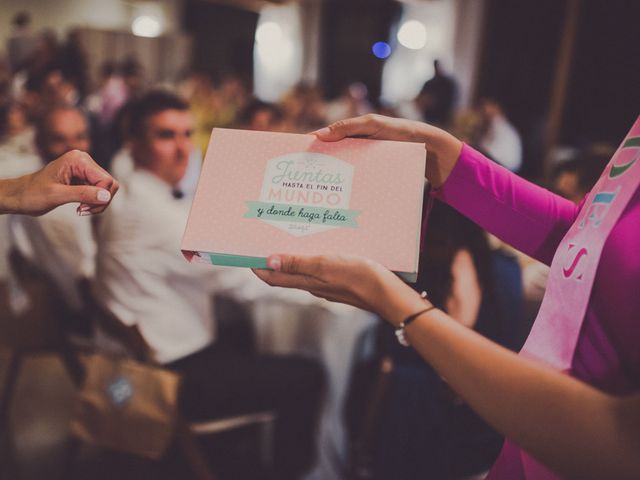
294	264
363	126
83	194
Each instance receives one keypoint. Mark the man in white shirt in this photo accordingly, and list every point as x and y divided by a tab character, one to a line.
145	282
61	241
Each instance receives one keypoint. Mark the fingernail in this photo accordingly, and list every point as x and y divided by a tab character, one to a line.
103	196
274	263
83	207
84	213
322	132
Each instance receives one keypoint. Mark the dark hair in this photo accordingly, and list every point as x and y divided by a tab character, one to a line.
108	68
587	166
150	104
5	109
130	67
21	19
256	106
43	121
448	232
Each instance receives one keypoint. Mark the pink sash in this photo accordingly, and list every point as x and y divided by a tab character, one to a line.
555	333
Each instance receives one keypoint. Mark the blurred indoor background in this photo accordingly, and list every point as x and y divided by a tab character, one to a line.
536	85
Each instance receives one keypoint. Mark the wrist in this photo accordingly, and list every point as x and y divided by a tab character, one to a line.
443	150
398	301
10	194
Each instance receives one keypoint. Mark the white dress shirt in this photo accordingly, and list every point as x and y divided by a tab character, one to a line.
17	157
62	244
122	165
502	142
144	280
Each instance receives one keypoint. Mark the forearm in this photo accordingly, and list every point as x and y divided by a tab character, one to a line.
10	193
518	212
571	427
443	150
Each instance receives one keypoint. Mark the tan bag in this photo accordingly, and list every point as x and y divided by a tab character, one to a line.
127	405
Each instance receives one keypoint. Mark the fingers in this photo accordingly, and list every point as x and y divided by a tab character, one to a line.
311	285
296	264
365	125
85	171
288	280
90	208
92	199
337	297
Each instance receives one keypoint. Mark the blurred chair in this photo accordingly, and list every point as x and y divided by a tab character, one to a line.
48	330
43	328
186	432
371	380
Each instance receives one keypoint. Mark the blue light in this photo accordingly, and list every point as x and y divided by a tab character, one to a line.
381	49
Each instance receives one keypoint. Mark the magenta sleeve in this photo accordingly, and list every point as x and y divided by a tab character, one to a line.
526	216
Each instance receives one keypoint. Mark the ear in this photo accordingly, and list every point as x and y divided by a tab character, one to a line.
137	148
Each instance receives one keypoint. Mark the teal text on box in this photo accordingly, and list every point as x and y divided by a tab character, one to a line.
280	212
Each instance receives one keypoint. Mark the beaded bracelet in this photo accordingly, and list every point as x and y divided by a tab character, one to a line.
400	333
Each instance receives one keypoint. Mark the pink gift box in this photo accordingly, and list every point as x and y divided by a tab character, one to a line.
262	193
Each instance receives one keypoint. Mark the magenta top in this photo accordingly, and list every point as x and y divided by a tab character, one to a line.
534	221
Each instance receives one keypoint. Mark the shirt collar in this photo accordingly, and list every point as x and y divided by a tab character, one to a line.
151	181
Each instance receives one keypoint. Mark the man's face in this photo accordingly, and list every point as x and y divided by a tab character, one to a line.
165	146
262	120
65	130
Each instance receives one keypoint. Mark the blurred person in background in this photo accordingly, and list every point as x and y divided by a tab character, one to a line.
110	95
133	75
145	282
438	96
231	97
262	116
304	109
21	43
17	150
197	88
352	102
73	64
5	80
61	241
572	179
45	57
425	430
498	138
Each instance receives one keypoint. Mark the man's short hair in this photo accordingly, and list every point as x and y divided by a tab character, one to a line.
150	104
256	106
21	19
43	122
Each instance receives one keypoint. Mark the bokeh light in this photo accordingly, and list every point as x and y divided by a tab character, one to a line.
269	34
146	26
381	49
413	35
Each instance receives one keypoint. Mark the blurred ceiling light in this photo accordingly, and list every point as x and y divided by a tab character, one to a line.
268	33
381	49
146	26
274	48
277	51
413	35
277	55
